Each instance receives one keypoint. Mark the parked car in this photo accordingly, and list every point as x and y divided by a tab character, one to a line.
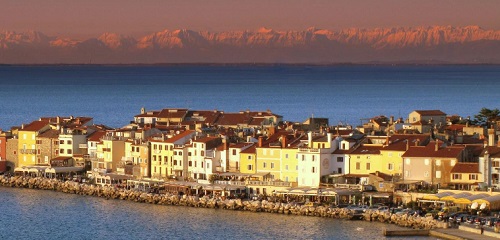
462	217
471	219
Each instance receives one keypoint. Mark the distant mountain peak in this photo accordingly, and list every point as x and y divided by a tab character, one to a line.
438	43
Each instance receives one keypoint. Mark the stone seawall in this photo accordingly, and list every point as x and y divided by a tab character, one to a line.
110	192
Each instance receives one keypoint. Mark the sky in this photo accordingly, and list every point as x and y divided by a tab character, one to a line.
85	18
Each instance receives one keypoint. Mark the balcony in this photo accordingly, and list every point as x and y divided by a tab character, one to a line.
269	183
234	183
27	151
309	150
82	145
106	149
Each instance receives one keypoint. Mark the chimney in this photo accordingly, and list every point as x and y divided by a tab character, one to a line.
491	136
22	126
283	141
163	137
386	141
391	121
143	110
261	139
417	142
436	148
329	136
309	139
58	119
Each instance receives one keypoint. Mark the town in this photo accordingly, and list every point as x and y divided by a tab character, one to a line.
424	158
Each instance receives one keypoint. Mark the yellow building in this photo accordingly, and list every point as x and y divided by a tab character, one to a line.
248	160
162	155
290	165
27	142
137	152
365	160
465	175
391	161
109	153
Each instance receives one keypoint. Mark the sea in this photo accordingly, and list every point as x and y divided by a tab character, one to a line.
345	94
112	95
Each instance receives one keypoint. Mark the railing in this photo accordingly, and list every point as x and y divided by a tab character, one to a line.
82	145
27	151
349	186
235	183
310	150
269	183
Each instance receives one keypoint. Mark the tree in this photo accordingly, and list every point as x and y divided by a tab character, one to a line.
486	116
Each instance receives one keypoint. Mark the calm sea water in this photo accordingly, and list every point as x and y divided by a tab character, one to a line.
114	94
37	214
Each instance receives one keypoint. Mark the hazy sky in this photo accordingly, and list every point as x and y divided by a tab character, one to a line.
82	18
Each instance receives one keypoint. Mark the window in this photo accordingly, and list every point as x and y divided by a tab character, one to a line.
24	136
339	170
202	153
286	155
69	142
340	159
272	165
390	166
303	157
389	154
313	158
426	162
234	152
160	147
61	151
175	153
296	167
70	151
453	162
438	162
237	166
154	158
438	174
175	162
358	157
494	163
189	154
61	142
180	153
208	165
368	166
264	164
407	161
472	176
426	174
456	176
313	170
190	163
249	157
155	146
358	166
249	167
286	167
407	173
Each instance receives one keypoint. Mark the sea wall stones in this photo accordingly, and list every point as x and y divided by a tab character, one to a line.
111	192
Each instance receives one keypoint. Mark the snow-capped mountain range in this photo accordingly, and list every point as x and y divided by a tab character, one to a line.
435	44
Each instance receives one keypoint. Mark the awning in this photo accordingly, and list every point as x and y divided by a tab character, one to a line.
55	170
437	196
455	196
469	199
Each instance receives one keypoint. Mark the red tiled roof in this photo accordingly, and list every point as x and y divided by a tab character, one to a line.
96	136
233	119
466	168
205	139
430	151
172	113
493	151
430	112
367	150
51	133
250	149
60	158
179	136
398	142
35	126
148	114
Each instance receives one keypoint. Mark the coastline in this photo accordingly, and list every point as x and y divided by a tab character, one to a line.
112	192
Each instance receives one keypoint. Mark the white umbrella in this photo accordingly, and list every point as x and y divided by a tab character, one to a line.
474	205
483	206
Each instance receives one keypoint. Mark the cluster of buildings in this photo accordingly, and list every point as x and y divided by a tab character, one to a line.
427	150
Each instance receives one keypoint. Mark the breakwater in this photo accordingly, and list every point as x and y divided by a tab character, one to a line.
111	192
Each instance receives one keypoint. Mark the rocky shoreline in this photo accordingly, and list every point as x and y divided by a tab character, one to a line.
110	192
